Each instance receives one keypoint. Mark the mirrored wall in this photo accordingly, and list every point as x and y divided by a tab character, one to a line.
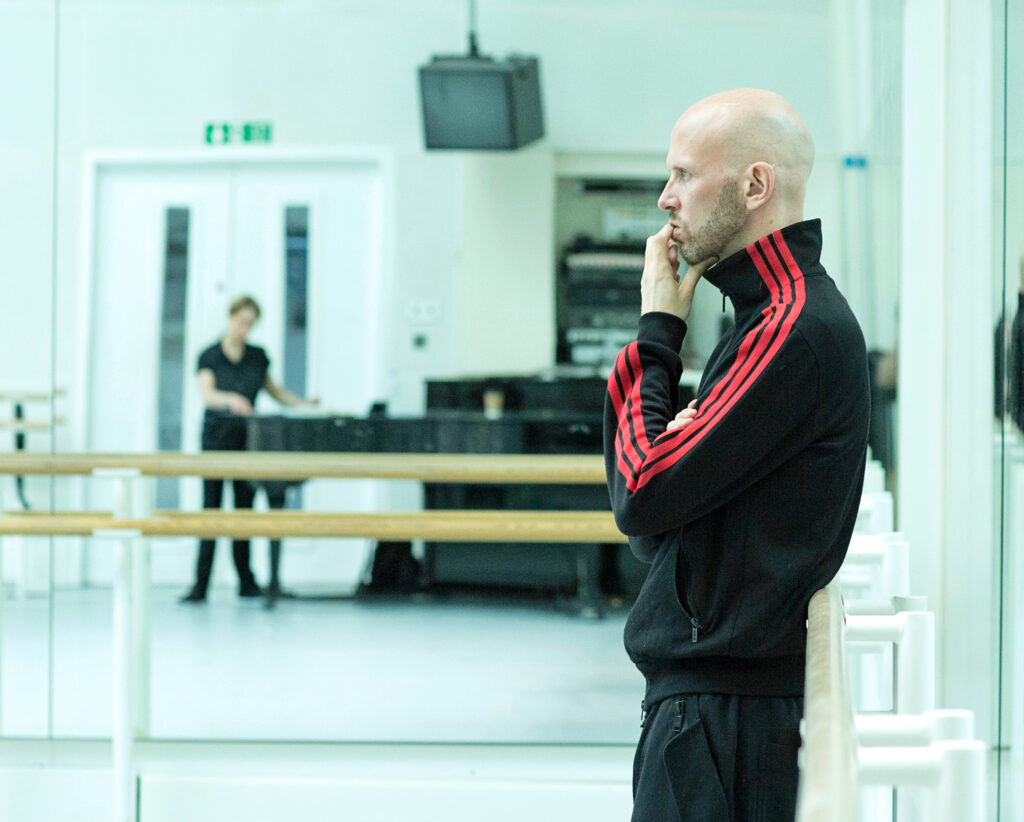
31	401
275	150
160	160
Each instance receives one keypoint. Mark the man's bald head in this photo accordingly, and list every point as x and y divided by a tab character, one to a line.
760	152
751	125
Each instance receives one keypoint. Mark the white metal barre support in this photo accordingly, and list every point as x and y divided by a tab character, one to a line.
903	730
132	500
913	634
886	558
123	689
953	770
3	482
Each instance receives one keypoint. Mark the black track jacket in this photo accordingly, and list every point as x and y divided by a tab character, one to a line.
749	509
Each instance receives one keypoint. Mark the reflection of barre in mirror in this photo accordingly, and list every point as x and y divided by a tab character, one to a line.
132	521
442	468
21	425
456	526
912	747
25	425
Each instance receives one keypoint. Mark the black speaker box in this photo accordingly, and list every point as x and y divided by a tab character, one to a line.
481	103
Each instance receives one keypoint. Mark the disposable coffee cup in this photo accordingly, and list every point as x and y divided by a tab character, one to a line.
494	403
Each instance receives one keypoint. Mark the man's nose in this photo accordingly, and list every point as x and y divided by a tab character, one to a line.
667	201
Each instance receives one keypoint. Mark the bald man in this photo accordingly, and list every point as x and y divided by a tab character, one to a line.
743	502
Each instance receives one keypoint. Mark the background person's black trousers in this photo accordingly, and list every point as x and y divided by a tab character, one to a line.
213	495
718	758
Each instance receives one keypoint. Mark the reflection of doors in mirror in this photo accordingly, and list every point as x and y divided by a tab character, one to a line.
174	245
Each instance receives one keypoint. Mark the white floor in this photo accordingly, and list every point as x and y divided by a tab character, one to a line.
446	671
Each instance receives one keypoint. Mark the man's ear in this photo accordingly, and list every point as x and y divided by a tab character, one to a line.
759	184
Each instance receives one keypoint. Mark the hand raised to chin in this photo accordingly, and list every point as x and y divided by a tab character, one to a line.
661	288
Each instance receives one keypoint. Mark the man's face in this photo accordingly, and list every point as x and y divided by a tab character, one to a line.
702	199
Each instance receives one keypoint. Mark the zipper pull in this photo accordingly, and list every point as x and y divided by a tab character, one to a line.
723	302
696	627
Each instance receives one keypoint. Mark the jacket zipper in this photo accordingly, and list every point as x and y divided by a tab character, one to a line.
695	623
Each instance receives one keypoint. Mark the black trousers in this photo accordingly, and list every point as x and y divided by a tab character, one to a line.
213	495
718	758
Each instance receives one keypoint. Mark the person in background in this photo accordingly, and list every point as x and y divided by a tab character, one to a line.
744	502
1015	359
231	373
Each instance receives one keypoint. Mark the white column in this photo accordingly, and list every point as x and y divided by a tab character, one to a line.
921	389
968	640
946	338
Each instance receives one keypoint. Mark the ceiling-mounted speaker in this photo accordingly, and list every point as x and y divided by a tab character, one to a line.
476	102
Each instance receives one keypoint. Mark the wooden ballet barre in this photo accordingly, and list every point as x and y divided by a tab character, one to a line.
30	396
433	526
25	425
296	465
828	756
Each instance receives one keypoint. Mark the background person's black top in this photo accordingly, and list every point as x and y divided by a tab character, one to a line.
222	430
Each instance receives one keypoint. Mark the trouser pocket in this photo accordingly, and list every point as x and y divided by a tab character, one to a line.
692	773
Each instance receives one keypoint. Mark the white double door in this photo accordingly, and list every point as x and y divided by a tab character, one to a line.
228	227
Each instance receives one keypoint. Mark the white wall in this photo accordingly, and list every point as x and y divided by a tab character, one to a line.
152	74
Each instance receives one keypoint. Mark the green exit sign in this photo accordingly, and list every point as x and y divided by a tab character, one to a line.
223	133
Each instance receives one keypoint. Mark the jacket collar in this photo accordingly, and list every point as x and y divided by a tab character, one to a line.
739	279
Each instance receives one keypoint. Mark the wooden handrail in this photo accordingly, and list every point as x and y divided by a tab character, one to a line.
25	425
30	396
828	757
434	526
293	465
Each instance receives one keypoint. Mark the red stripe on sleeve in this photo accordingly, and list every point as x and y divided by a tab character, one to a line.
629	460
749	365
637	403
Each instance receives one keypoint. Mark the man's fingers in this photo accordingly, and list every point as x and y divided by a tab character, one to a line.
684	417
693	404
673	259
659	241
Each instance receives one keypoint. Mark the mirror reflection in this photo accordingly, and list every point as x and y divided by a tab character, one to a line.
432	301
29	405
286	229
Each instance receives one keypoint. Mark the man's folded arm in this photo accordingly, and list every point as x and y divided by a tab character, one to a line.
758	415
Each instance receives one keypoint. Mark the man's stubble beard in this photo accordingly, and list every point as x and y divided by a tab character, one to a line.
726	220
